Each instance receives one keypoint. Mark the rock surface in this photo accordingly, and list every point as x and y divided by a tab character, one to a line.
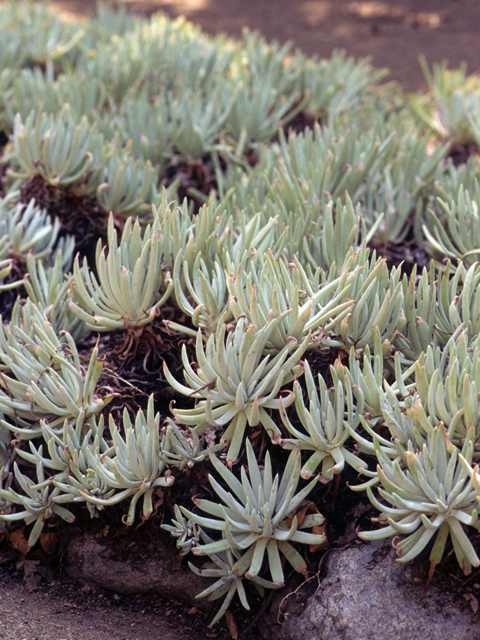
366	595
115	567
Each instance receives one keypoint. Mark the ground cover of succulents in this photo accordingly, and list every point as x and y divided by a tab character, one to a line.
240	305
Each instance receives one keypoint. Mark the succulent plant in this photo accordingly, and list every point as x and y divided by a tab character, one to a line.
325	424
207	303
40	501
57	148
7	453
86	96
454	233
32	89
181	449
367	372
256	518
222	567
27	91
436	306
432	498
145	123
234	384
195	124
402	189
43	36
6	266
190	57
132	281
454	178
403	434
128	186
339	233
28	230
186	532
135	466
77	447
280	287
453	105
118	64
42	376
446	382
325	163
279	264
419	308
47	287
377	294
5	504
111	21
203	250
338	83
458	300
13	53
263	100
440	387
69	451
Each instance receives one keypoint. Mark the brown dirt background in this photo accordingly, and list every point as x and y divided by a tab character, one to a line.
394	33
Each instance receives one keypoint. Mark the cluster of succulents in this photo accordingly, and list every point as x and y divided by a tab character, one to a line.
309	299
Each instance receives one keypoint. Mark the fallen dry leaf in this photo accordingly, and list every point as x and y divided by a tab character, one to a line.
300	516
231	624
86	588
18	541
319	530
103	532
473	601
49	541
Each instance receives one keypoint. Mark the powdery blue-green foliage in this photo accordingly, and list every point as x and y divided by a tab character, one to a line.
255	520
267	278
234	384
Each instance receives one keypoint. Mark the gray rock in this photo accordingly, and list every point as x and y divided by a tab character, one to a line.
153	570
367	595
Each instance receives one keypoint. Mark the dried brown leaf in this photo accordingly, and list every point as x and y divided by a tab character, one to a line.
49	541
319	530
18	541
473	601
231	624
103	532
308	509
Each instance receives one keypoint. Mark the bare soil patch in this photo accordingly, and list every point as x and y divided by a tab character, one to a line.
393	32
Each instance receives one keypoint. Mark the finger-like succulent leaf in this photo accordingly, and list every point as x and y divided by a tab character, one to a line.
135	467
235	384
132	281
430	499
39	501
255	519
42	376
56	148
325	421
184	449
